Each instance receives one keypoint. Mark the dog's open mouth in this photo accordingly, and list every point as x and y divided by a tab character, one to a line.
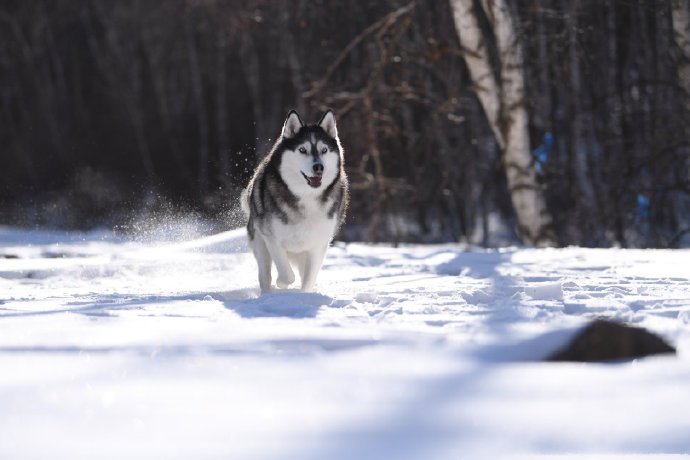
314	181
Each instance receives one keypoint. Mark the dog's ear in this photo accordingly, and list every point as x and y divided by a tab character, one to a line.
327	123
293	123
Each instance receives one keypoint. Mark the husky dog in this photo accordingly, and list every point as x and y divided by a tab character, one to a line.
296	201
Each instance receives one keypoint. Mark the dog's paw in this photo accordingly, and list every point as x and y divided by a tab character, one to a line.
307	288
284	281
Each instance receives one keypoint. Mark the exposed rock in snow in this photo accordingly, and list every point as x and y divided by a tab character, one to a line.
603	340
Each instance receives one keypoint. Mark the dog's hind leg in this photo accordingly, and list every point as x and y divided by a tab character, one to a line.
313	262
285	274
263	260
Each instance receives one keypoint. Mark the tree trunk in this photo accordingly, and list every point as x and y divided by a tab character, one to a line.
221	106
200	104
581	143
680	11
681	34
502	95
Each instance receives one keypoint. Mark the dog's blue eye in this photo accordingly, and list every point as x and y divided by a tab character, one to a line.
324	150
302	150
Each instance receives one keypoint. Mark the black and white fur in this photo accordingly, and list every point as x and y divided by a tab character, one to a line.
296	201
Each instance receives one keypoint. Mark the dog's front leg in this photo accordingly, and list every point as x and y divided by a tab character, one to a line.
312	265
285	274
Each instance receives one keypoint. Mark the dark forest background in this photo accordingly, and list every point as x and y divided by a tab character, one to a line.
114	108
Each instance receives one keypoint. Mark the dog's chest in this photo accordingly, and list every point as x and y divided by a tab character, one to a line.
309	228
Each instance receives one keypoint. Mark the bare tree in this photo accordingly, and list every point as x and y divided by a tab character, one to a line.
680	11
502	95
199	101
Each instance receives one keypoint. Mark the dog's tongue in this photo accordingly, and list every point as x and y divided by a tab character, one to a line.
314	181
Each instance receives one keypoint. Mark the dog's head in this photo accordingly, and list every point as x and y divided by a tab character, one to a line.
310	154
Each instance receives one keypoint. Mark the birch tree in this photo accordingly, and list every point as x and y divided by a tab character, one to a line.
501	93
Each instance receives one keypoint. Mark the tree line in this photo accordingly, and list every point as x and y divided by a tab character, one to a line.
111	107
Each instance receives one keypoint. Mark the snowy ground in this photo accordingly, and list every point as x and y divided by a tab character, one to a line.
120	349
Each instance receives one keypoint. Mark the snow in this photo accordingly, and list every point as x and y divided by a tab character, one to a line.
116	348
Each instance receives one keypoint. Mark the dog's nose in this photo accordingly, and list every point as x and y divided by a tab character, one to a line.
318	169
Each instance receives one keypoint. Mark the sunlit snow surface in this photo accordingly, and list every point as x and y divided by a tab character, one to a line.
120	349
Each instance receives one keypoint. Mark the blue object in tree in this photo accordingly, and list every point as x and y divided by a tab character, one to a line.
541	153
643	207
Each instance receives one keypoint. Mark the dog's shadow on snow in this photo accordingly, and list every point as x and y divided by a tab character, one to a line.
247	303
286	303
